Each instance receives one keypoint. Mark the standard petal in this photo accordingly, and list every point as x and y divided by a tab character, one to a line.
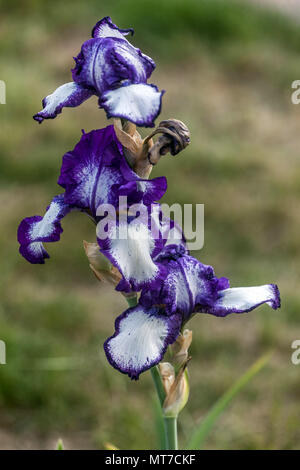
173	234
91	69
130	63
141	339
245	299
68	95
188	282
130	246
96	172
139	103
108	63
91	170
146	191
33	231
106	28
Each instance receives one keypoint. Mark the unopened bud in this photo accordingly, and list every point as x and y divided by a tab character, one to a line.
176	389
167	373
100	265
135	150
180	348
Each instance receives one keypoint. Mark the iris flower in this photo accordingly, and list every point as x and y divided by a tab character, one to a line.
143	333
152	257
111	68
173	285
96	173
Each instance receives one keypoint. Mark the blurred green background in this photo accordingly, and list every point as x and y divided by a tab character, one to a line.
227	69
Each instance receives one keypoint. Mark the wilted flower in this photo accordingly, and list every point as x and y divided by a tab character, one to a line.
143	154
111	68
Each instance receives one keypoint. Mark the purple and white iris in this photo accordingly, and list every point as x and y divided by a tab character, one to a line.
147	248
111	68
152	256
96	173
143	333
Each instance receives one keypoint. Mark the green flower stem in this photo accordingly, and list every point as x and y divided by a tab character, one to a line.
170	424
132	301
158	385
171	433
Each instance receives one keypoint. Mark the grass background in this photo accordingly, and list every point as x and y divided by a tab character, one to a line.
227	69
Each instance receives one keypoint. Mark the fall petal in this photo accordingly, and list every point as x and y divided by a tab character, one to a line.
68	95
141	339
245	299
139	103
33	231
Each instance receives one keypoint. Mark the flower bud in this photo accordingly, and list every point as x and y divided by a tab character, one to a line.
180	348
167	373
103	269
100	265
136	152
176	389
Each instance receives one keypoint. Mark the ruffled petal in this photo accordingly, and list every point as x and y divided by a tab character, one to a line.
147	191
173	292
33	231
91	69
106	28
191	286
130	63
131	247
139	103
107	63
188	283
141	339
88	172
245	299
68	95
202	284
173	234
35	253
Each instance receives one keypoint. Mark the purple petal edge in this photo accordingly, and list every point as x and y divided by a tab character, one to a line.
70	99
107	20
31	236
221	311
148	122
173	333
25	251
